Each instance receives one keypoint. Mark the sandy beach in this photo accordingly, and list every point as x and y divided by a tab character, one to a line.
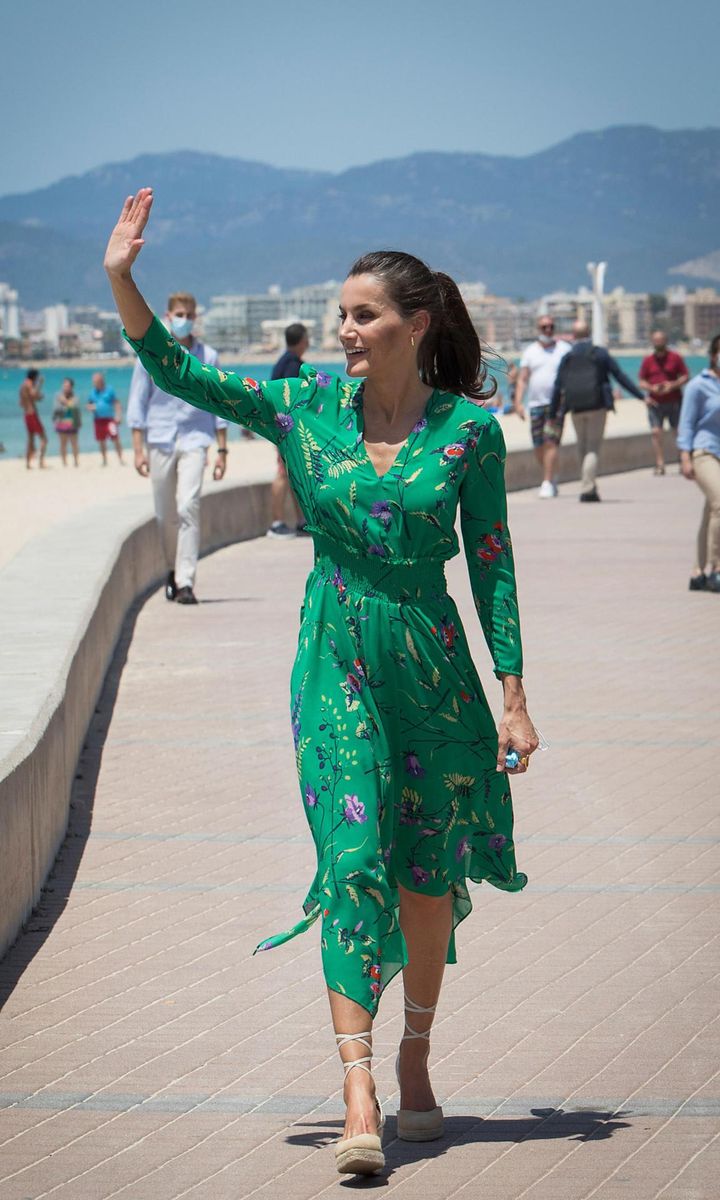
31	502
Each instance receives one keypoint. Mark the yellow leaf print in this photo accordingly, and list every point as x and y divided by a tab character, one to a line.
410	643
353	894
286	393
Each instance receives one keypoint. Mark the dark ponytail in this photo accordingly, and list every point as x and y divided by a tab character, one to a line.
450	355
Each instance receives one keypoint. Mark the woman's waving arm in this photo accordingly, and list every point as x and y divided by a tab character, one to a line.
262	407
126	242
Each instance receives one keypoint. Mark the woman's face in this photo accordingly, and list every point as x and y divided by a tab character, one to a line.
373	332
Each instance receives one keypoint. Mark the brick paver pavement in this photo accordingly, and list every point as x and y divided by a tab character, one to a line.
147	1055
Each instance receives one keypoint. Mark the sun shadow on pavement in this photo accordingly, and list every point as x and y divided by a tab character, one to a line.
581	1125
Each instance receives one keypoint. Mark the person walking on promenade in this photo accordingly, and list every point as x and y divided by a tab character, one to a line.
30	397
287	367
699	445
583	389
107	413
538	370
170	444
402	771
67	420
663	374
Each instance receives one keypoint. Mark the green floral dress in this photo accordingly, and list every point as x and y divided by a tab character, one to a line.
395	743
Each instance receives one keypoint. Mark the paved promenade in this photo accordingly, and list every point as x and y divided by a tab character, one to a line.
147	1055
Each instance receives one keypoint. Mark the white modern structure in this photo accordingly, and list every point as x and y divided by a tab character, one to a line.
9	313
596	272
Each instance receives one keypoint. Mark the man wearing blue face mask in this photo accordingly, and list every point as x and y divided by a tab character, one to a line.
170	444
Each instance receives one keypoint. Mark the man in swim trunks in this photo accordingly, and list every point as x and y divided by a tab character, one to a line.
106	409
30	395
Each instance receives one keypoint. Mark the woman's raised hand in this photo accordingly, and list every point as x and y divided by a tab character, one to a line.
126	239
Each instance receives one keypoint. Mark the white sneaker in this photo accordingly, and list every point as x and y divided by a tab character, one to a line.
279	529
547	490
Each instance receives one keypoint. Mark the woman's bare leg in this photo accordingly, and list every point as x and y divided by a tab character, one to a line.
359	1090
426	922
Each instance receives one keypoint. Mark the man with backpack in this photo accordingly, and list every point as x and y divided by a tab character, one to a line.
583	389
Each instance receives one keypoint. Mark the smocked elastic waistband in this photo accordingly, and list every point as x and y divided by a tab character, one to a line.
376	575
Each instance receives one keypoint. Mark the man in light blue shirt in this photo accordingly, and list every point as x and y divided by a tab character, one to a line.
699	445
170	444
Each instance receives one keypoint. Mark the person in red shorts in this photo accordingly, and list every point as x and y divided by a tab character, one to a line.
30	396
663	376
105	407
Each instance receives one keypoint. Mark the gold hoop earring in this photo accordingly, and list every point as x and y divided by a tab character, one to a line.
412	340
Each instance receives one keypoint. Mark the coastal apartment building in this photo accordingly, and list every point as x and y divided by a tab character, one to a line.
702	314
237	323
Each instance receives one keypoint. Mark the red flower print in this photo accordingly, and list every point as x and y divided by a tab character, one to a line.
456	450
447	634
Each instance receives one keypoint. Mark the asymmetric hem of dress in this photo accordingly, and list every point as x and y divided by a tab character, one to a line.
395	743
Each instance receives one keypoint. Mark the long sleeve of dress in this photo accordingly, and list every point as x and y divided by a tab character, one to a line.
262	407
486	538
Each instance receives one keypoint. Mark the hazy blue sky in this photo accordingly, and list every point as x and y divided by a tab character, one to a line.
330	85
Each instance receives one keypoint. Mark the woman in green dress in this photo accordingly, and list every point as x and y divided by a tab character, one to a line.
402	771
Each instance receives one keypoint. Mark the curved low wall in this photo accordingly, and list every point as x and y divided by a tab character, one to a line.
64	597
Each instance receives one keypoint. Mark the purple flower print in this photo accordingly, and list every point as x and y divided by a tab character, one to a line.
354	810
419	426
381	509
408	814
323	379
413	766
295	725
461	849
497	841
378	550
419	875
310	796
353	682
265	946
284	421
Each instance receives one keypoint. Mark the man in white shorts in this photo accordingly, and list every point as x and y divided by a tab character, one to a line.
538	370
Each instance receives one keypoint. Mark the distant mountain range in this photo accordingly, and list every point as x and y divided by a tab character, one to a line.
641	198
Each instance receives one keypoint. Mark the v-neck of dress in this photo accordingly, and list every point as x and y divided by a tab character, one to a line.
358	404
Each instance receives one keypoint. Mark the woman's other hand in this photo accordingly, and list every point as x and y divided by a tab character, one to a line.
516	731
686	465
126	240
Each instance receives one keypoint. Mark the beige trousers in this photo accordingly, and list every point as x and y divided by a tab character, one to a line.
177	481
707	474
589	429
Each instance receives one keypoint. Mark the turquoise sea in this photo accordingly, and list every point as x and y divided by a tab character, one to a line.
12	426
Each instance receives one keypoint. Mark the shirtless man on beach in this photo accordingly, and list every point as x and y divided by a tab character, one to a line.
30	395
